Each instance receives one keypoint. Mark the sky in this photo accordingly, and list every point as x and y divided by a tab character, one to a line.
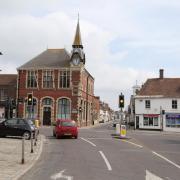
125	41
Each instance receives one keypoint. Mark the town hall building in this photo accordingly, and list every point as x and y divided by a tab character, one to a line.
60	86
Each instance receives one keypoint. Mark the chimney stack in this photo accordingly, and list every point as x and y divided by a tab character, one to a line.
161	73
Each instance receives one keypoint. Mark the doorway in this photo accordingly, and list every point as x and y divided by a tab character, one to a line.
137	122
47	116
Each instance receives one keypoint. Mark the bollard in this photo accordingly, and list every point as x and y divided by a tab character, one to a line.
22	160
35	139
32	143
117	129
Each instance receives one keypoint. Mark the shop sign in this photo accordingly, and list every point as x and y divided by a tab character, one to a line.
173	116
151	115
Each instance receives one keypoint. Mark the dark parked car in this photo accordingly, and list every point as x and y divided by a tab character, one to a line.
17	127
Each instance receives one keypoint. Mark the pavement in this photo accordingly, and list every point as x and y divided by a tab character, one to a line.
11	167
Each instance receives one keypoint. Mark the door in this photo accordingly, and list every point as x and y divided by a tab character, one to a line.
137	122
47	116
10	127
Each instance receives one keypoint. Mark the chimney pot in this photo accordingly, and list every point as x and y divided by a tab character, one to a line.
161	73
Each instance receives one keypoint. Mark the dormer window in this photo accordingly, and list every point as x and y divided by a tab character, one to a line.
147	104
174	104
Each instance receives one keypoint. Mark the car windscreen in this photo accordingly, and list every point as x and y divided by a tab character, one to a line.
68	124
30	122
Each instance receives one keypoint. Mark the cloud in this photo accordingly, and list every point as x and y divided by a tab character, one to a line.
121	38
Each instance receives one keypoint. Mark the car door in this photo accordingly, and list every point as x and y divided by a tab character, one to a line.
21	127
10	127
3	128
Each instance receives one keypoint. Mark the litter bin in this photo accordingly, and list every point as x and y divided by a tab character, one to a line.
37	123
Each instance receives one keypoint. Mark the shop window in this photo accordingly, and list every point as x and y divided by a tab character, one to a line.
151	121
156	122
146	121
173	120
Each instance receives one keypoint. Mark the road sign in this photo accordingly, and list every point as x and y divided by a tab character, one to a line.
123	131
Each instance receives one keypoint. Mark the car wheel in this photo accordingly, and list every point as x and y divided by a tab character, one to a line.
27	135
54	134
2	136
76	137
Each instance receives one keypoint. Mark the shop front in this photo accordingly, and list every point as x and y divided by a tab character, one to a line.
151	121
172	122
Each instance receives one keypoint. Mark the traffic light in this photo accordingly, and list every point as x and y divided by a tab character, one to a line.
13	103
30	99
121	101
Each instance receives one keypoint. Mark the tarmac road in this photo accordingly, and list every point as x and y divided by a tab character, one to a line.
97	155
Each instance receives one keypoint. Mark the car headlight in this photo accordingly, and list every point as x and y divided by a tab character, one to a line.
32	128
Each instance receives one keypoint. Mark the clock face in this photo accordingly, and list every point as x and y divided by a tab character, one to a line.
76	60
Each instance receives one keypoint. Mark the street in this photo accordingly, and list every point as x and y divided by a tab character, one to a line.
97	155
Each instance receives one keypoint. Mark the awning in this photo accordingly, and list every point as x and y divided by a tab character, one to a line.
151	115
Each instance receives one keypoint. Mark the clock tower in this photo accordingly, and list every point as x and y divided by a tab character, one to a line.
77	54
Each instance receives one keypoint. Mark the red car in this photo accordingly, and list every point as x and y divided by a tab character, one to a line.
65	128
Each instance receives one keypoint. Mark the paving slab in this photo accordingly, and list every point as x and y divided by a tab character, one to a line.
11	167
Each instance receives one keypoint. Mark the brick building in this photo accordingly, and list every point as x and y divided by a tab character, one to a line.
8	84
60	84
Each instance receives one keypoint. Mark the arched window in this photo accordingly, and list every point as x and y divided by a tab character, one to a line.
31	110
47	101
64	109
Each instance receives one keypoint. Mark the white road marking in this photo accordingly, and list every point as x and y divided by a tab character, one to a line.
101	138
176	165
151	176
61	176
88	142
133	143
106	161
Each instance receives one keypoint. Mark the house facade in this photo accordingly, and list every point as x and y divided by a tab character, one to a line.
157	105
60	86
8	84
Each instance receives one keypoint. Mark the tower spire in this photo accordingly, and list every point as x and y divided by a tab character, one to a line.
77	39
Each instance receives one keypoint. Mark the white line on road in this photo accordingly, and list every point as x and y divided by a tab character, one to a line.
133	143
60	176
88	142
106	161
150	176
176	165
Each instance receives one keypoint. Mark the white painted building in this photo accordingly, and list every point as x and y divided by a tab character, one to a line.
105	112
157	105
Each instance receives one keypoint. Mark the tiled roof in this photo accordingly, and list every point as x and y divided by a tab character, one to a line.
51	58
167	87
8	79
